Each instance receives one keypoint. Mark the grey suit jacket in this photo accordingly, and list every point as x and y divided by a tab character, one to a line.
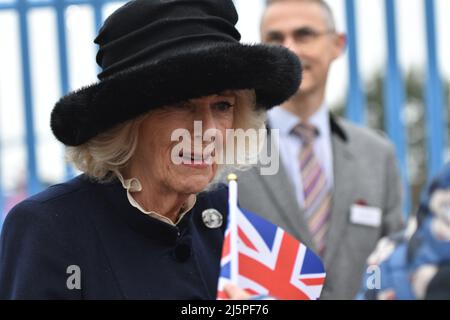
364	169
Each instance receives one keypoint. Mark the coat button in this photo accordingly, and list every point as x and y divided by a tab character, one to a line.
182	252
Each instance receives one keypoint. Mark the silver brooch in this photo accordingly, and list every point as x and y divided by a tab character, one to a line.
212	218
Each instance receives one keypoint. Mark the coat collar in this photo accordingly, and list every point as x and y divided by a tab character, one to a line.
116	197
337	129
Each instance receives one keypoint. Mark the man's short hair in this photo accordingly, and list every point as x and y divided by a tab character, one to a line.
322	3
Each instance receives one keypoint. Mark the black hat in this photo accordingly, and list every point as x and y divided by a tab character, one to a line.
160	52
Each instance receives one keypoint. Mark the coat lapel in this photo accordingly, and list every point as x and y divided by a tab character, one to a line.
343	167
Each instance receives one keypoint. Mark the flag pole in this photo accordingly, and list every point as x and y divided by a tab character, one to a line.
233	210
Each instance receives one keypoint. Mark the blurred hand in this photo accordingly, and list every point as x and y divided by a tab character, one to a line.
421	279
236	293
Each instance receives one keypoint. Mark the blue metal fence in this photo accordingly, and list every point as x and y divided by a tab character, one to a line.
394	97
32	176
22	8
394	92
435	110
356	101
394	87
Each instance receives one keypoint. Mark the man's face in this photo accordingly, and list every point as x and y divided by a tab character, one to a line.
303	27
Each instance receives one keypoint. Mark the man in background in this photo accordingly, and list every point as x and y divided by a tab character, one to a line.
338	189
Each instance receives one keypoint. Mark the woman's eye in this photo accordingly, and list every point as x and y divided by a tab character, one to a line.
223	106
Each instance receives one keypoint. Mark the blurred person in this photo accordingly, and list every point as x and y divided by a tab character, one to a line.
338	188
415	263
136	224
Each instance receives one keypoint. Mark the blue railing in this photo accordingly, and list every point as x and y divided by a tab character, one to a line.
394	96
435	110
356	102
394	86
22	8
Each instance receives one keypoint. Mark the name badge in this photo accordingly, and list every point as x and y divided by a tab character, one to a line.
366	216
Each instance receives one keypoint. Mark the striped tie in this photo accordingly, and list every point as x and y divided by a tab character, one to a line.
317	196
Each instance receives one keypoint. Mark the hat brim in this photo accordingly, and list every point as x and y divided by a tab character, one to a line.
273	72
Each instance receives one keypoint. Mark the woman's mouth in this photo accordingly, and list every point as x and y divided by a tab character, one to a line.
198	161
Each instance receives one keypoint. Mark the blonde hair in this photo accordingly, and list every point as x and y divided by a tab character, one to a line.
107	153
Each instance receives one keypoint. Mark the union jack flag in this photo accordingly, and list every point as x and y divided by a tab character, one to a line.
267	260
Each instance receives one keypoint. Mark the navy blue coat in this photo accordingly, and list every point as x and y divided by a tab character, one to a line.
121	253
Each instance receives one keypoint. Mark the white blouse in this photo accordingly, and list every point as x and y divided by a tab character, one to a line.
134	185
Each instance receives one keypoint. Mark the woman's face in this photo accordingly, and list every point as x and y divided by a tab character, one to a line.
156	149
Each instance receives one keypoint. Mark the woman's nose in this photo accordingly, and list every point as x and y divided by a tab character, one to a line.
206	116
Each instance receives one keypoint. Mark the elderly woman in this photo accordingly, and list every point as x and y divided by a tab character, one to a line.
138	223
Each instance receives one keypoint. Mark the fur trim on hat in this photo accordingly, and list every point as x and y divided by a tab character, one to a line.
273	71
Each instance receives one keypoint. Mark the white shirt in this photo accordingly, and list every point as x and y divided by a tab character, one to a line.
290	145
134	185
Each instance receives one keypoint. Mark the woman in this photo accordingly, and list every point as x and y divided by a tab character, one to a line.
137	224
